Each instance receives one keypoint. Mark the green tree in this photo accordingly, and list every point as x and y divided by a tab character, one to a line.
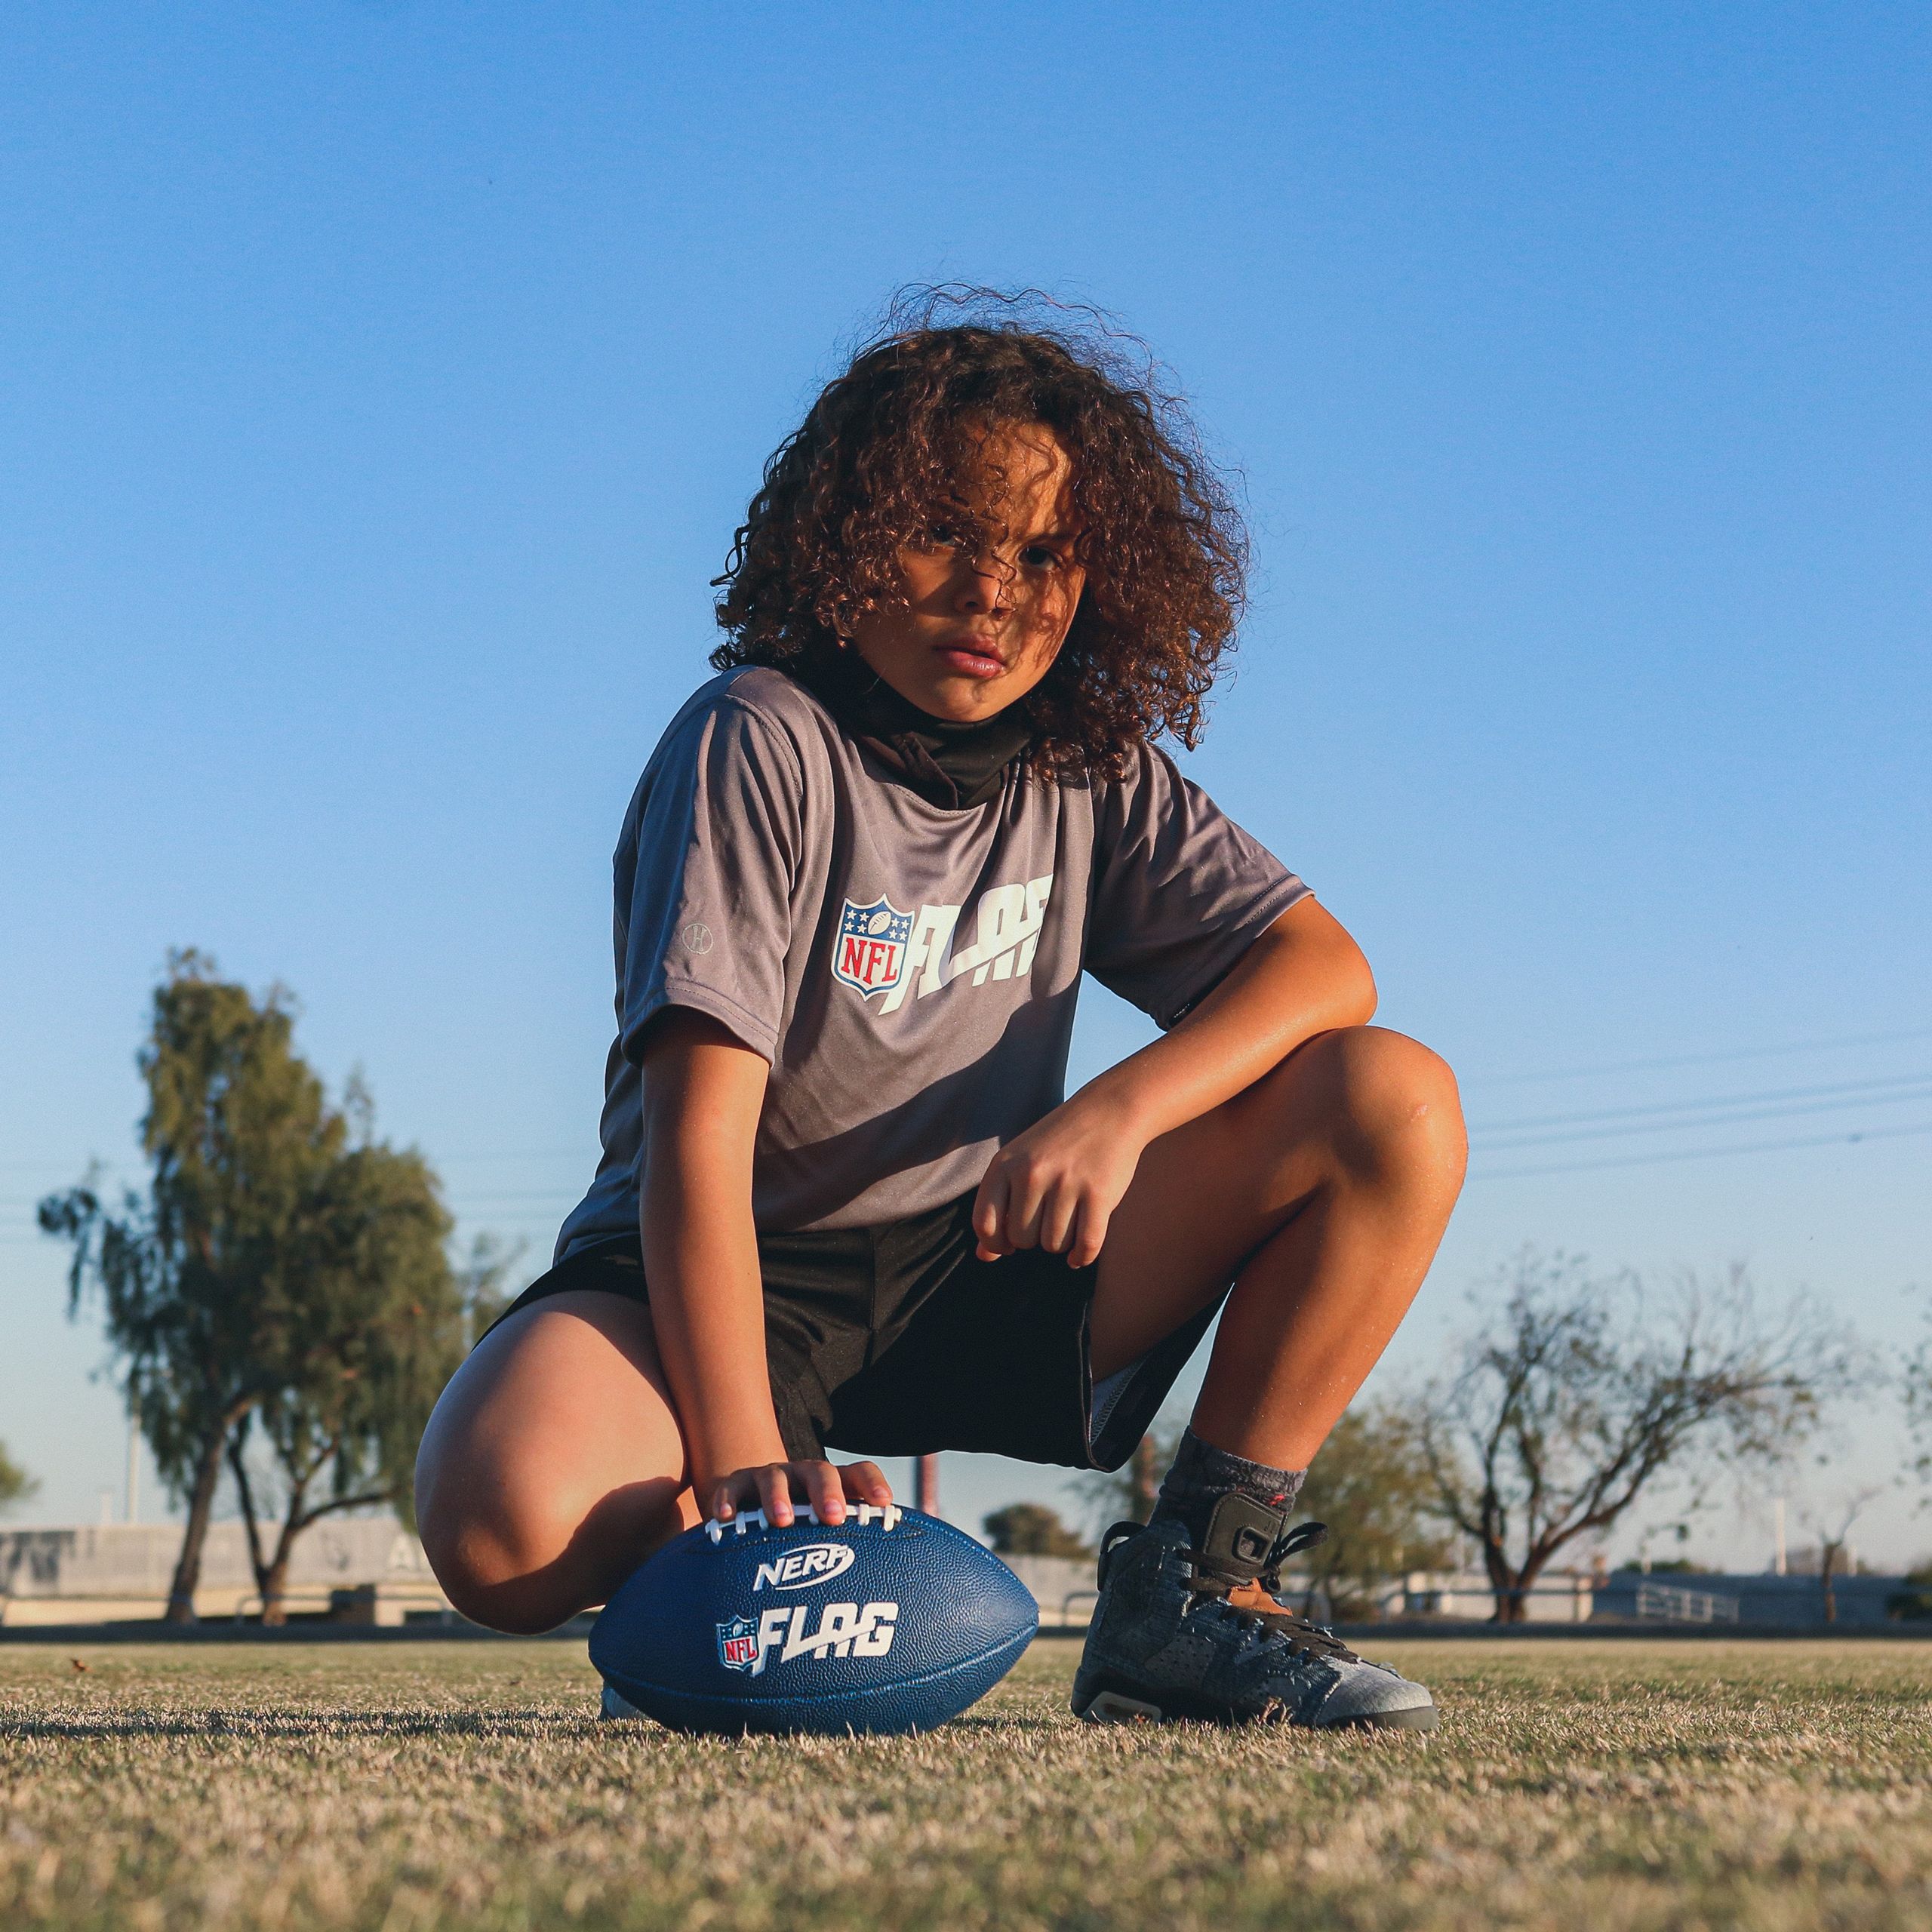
15	1485
282	1286
1370	1483
355	1357
194	1276
1031	1529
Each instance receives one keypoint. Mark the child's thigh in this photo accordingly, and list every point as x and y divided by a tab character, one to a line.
556	1441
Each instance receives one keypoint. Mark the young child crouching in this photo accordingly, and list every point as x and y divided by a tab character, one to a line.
843	1202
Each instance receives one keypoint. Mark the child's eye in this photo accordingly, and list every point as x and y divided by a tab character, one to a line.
1041	557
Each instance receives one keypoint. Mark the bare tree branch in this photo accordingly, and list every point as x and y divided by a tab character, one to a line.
1578	1392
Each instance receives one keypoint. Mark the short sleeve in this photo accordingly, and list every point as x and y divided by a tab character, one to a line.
1179	890
711	846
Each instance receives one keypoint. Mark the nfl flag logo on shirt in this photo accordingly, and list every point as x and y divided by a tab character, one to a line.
871	946
737	1643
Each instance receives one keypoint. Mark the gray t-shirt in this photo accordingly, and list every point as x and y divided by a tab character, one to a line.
908	971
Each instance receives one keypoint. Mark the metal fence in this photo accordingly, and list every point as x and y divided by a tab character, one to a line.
1668	1603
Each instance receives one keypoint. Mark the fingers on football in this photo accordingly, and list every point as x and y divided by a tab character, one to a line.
823	1490
774	1493
865	1482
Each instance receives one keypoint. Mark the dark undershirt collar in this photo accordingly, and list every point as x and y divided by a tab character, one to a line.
951	765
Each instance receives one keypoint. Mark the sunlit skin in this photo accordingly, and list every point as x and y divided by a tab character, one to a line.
975	629
1272	1139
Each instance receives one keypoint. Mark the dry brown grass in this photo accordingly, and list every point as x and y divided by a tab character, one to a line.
1615	1786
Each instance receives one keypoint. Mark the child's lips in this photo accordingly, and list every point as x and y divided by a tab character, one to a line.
975	659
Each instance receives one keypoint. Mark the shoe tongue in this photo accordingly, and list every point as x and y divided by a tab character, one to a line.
1240	1534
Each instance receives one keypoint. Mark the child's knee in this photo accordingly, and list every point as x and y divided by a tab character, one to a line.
524	1549
493	1554
1394	1103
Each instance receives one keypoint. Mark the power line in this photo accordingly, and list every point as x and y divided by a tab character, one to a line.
1710	1115
1812	1093
1743	1117
1701	1059
1708	1153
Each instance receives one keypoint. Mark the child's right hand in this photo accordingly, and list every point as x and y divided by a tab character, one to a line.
772	1487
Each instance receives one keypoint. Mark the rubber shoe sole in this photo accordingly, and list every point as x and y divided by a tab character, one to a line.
1119	1703
617	1705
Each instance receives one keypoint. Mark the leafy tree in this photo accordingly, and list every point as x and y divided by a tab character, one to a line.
1370	1483
15	1485
194	1276
356	1357
1578	1393
1031	1529
283	1279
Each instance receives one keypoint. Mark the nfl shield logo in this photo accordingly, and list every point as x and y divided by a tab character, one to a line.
737	1643
871	946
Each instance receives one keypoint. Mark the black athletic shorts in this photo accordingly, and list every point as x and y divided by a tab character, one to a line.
898	1340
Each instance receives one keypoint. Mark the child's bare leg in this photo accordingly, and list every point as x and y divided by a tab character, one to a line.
1322	1191
553	1464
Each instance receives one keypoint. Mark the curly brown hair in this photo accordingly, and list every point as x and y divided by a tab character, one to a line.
881	453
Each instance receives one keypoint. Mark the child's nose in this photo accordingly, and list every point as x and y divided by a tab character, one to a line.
983	584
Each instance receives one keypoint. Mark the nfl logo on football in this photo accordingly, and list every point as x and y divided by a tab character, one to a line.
737	1643
871	946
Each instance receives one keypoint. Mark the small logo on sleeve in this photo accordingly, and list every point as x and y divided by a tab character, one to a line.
870	946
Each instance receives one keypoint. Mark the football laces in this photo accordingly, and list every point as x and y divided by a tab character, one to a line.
861	1515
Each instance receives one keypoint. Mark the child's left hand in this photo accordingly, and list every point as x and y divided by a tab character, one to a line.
1057	1185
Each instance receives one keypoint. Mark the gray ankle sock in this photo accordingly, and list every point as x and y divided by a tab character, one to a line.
1202	1475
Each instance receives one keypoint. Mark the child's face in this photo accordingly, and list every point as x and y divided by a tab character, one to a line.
976	631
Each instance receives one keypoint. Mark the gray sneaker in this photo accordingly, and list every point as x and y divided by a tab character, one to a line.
1166	1641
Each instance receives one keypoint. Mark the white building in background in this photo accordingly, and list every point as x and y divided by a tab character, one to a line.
369	1569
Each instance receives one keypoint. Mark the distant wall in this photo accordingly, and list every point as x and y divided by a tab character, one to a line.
1765	1602
1062	1586
131	1564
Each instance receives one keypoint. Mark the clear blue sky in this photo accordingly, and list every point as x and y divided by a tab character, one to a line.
382	383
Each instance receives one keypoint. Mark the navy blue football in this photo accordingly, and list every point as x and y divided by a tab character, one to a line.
890	1621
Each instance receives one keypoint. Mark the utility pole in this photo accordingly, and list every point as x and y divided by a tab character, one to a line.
1777	1549
1146	1479
925	1485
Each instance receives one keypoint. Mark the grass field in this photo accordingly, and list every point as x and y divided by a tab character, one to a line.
1609	1785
